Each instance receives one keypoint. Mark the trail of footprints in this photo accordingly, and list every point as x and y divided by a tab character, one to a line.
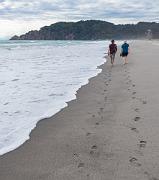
105	91
134	161
131	89
94	151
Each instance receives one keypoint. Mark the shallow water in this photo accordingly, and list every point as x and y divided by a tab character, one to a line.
37	78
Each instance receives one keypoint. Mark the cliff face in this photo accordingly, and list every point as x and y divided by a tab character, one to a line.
90	30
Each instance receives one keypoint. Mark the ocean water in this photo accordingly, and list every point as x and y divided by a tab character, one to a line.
37	78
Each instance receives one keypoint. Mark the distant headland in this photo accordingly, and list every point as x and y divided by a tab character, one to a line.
91	30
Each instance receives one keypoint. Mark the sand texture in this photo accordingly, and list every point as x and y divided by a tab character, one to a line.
110	132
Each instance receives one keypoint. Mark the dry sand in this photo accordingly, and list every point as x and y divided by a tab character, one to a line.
110	132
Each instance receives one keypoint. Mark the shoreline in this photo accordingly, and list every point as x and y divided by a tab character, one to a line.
109	130
51	99
51	116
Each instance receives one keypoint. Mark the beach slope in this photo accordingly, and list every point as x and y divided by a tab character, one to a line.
110	132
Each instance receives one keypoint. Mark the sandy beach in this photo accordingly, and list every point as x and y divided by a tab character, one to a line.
110	132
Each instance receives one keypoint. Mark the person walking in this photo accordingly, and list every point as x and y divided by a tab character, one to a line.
112	51
125	51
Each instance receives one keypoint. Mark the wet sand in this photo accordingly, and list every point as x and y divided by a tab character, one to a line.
110	132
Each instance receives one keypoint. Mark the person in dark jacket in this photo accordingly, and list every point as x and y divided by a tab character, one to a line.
125	51
112	51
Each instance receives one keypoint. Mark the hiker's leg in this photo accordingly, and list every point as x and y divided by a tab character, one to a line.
126	60
111	57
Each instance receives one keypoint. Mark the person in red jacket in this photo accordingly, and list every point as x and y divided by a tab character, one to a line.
112	51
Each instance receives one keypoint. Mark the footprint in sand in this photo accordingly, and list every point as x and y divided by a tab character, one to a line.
134	162
134	129
144	102
133	85
101	110
94	147
93	116
88	134
134	93
97	123
94	151
91	152
80	165
142	144
76	155
136	110
137	118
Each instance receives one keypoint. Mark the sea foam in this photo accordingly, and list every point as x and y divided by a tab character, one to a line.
37	78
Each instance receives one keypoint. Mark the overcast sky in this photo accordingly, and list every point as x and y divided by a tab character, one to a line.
20	16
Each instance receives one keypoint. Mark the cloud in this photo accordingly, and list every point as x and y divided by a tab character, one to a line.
24	13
